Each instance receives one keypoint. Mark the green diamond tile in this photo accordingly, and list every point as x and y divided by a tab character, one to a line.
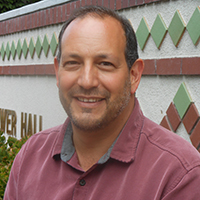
13	50
25	48
31	47
182	100
158	31
46	45
19	48
38	46
3	51
176	28
54	44
193	26
8	50
142	33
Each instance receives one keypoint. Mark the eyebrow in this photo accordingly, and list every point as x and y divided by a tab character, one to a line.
98	56
73	55
102	56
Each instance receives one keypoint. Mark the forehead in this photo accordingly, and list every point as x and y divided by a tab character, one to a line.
94	26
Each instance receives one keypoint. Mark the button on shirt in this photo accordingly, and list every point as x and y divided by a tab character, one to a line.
82	182
146	162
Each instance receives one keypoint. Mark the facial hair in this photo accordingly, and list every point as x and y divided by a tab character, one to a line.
113	107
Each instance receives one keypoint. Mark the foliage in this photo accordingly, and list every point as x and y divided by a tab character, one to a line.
6	5
8	151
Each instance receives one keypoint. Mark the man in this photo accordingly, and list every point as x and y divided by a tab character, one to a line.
106	149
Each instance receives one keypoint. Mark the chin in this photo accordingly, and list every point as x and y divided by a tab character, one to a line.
88	124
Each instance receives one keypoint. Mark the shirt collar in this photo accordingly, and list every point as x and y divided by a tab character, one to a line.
68	149
126	145
56	150
123	148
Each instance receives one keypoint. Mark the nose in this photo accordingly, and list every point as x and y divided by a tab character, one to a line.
88	77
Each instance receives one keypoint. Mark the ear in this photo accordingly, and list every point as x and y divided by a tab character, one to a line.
135	74
56	67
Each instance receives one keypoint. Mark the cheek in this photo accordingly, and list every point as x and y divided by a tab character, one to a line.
114	83
66	80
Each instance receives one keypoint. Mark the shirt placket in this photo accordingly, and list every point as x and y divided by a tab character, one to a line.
83	185
80	189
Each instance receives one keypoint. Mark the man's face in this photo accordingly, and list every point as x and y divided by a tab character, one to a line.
93	77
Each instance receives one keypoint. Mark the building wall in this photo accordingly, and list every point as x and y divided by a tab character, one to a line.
168	33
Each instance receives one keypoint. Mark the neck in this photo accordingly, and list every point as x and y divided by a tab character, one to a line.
92	145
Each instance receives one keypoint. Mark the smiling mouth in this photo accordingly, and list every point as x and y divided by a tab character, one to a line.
89	100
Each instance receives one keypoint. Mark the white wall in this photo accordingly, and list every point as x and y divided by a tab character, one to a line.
32	94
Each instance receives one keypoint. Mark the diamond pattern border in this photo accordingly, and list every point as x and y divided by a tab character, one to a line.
32	47
193	26
13	50
189	116
158	32
25	48
142	33
8	51
3	51
19	48
176	28
46	45
38	46
54	44
182	100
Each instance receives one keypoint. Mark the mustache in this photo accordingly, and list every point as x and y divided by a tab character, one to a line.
89	92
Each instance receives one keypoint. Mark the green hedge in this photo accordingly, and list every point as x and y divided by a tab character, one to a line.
8	151
6	5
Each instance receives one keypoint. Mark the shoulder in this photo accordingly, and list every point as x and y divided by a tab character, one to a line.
40	138
172	144
46	134
49	140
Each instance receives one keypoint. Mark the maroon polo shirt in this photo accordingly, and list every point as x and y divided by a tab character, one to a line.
146	162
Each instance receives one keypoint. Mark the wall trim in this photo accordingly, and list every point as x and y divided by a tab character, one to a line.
56	14
172	66
162	67
27	70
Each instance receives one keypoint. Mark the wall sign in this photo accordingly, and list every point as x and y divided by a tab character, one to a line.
30	123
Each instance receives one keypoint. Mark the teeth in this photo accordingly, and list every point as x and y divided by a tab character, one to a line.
88	100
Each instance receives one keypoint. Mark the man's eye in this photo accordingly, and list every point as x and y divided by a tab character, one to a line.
106	64
71	63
